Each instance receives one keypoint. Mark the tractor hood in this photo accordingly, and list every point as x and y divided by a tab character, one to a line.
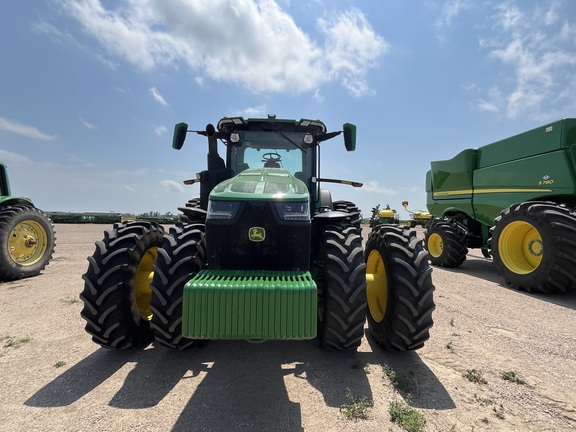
261	184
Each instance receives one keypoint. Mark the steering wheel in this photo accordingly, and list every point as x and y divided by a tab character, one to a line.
271	157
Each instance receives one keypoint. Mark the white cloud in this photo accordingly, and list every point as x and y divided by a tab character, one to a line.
171	186
351	48
375	186
14	158
258	45
160	130
24	130
256	111
86	124
158	97
451	9
539	48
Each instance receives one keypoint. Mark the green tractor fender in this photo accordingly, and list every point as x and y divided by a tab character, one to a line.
12	200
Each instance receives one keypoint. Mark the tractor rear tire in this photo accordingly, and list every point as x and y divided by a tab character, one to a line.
533	246
117	291
26	242
399	289
192	212
179	259
349	207
342	302
446	244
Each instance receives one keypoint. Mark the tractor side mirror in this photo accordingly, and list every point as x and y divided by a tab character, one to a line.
180	130
349	136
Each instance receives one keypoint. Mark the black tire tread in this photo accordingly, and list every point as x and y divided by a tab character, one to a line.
349	207
344	289
454	244
408	316
179	259
109	309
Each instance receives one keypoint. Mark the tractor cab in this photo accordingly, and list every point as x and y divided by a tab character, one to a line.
266	143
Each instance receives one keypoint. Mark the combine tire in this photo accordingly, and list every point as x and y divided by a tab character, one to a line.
533	246
117	291
349	207
342	302
446	244
399	289
26	242
179	259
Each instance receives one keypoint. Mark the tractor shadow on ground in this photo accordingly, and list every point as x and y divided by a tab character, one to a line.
482	268
239	383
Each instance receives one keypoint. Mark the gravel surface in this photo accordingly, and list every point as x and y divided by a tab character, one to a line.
54	378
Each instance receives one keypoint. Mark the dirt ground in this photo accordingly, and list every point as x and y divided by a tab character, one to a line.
54	378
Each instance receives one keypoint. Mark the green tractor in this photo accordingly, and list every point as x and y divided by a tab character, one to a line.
263	253
384	216
26	235
514	199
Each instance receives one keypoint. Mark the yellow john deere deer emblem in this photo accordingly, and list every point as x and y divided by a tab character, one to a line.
256	234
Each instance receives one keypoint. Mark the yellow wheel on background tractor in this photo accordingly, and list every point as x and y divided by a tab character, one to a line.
26	241
520	246
376	286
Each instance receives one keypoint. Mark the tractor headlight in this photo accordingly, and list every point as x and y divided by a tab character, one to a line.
222	209
293	211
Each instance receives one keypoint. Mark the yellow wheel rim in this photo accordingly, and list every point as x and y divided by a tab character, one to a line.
376	286
144	276
520	247
435	245
27	243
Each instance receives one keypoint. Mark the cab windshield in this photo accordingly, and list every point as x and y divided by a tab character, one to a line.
272	149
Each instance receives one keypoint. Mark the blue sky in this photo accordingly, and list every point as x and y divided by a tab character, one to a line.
90	90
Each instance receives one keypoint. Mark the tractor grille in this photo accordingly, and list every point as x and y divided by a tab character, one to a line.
286	246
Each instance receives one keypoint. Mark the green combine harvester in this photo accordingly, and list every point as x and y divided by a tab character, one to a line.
514	199
263	253
26	234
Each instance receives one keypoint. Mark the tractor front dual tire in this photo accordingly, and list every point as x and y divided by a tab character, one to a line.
533	244
179	260
117	292
27	242
342	302
446	244
399	289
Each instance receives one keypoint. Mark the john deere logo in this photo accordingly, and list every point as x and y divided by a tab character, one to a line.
256	234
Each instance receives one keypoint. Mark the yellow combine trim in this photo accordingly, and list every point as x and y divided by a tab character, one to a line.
485	191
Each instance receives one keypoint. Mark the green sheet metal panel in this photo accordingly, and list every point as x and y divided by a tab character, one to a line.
544	177
452	178
537	141
449	184
256	305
